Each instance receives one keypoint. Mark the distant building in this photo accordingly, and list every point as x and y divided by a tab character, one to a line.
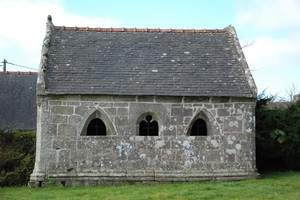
296	97
117	104
278	105
17	100
283	104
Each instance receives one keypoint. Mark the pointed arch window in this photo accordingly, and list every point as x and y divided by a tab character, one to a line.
199	128
96	127
148	127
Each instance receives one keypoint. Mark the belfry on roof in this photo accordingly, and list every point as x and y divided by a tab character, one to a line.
131	104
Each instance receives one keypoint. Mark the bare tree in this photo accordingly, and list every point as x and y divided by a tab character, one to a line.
247	44
291	91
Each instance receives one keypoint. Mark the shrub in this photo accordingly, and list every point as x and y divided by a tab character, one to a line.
17	154
277	136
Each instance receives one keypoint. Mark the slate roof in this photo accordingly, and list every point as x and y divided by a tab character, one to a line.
17	100
146	62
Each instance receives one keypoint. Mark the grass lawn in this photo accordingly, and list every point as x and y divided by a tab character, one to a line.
283	185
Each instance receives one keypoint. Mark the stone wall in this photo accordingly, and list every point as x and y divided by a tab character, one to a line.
67	156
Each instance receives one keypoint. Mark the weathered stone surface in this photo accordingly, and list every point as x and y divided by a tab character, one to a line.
67	110
81	110
55	103
166	99
73	103
223	112
219	99
232	124
66	130
122	111
176	120
121	120
59	119
181	111
74	119
111	111
196	99
229	145
50	129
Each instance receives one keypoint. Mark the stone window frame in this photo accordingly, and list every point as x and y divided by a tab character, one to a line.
142	117
89	116
212	126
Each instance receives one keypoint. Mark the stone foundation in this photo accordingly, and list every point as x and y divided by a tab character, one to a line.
151	177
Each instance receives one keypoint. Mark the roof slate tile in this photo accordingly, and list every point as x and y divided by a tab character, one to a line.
141	62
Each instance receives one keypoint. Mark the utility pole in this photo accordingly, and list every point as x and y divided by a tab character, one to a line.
4	65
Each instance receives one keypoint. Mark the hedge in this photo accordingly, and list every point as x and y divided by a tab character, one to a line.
277	136
17	155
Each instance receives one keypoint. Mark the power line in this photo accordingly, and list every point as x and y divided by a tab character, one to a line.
21	66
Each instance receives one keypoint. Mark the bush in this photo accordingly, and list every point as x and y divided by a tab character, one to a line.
277	136
17	154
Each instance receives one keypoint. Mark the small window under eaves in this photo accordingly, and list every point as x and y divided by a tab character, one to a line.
148	127
199	128
96	127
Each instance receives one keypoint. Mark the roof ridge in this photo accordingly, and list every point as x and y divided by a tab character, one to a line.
155	30
19	73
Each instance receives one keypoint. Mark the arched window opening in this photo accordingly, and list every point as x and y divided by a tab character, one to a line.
148	127
96	127
199	128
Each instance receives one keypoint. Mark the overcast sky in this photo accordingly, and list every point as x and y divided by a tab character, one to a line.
271	26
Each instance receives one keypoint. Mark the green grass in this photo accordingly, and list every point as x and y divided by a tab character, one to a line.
283	185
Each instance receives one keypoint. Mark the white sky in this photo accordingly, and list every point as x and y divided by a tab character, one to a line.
273	26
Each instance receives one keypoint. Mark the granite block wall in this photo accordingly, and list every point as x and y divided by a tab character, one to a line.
67	155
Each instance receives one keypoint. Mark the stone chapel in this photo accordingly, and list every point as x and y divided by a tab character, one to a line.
143	105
